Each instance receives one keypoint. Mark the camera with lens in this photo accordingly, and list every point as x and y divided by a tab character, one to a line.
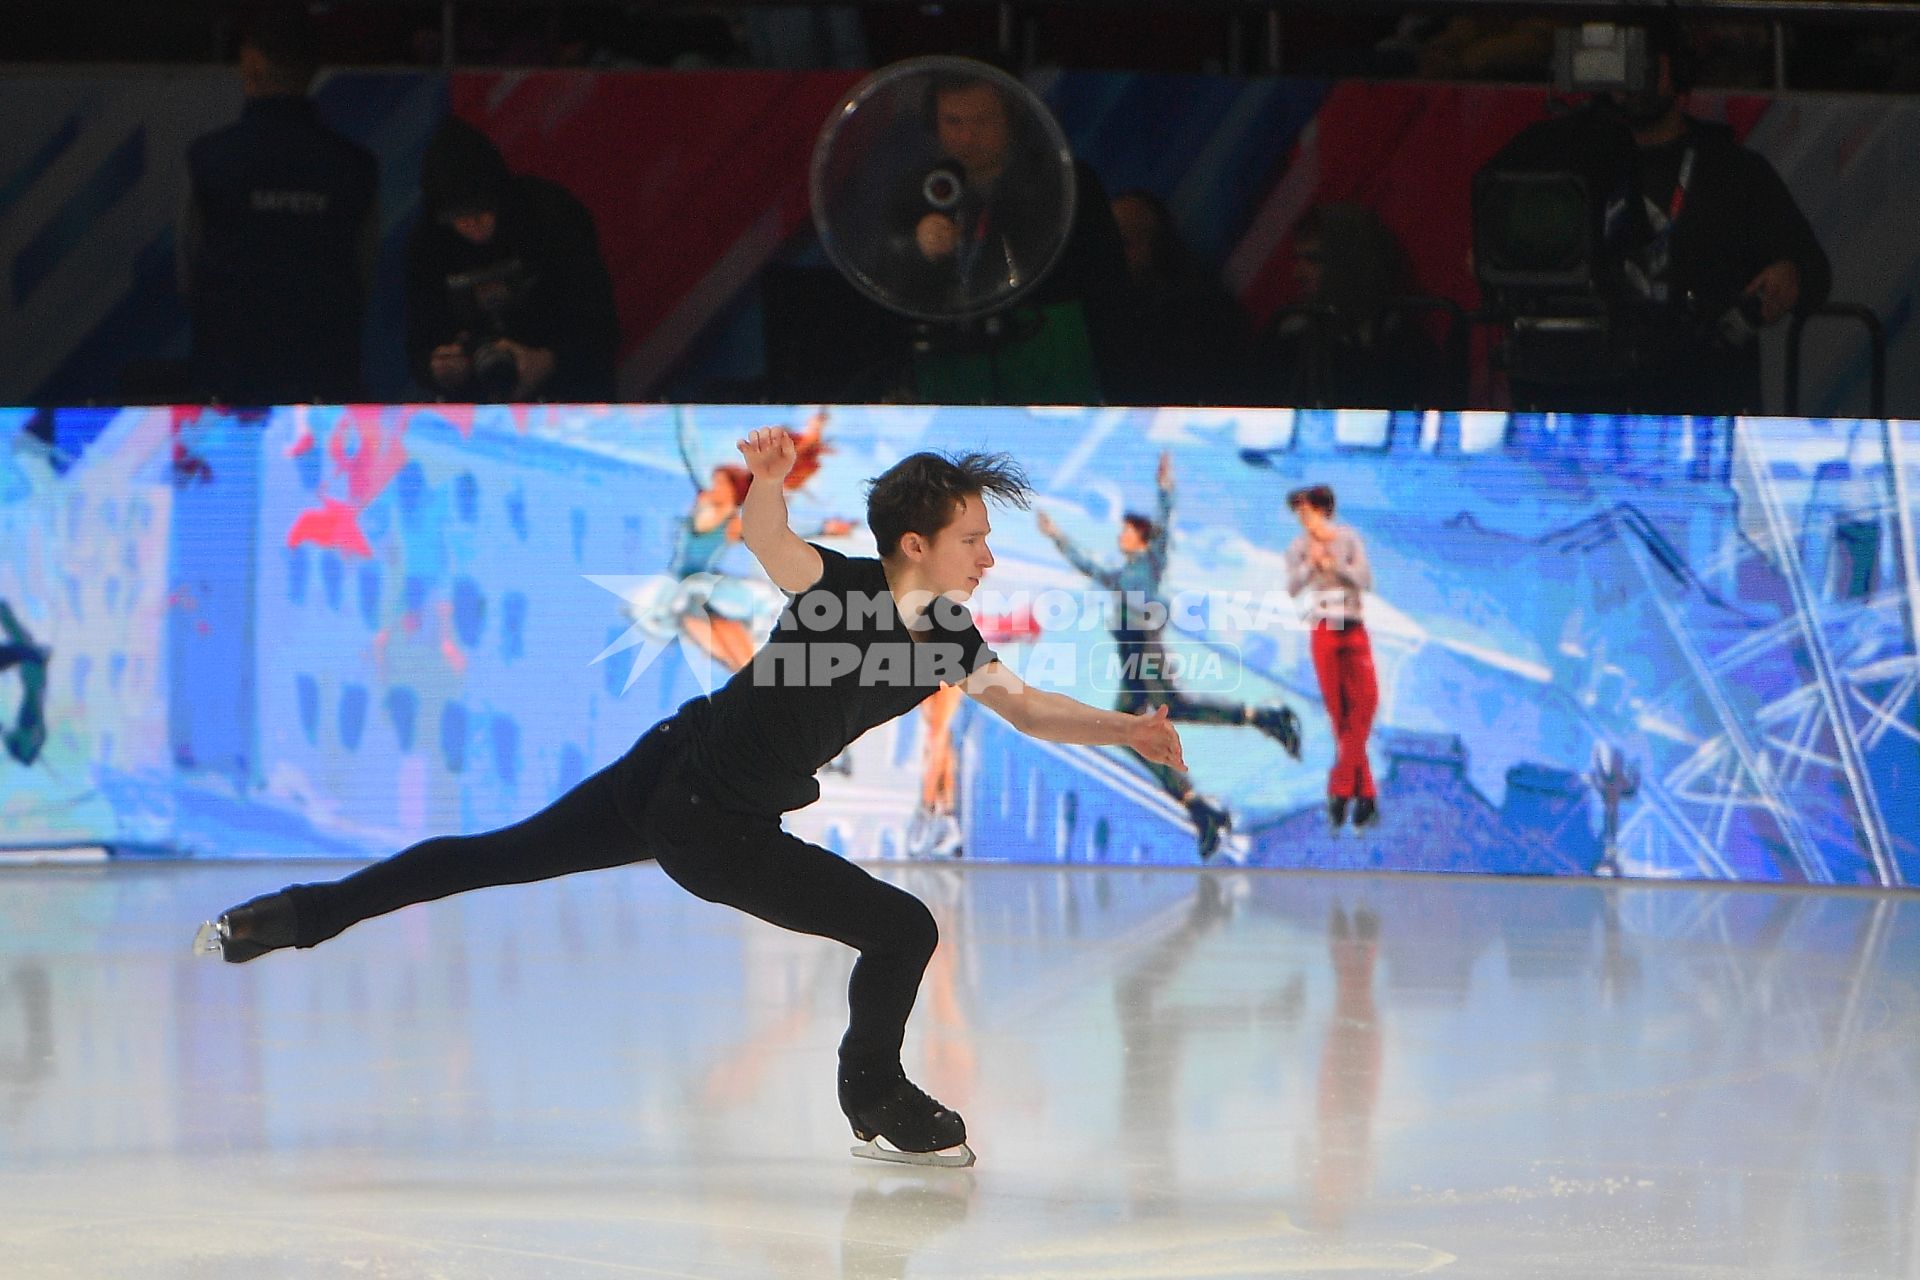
487	296
496	374
1536	252
1560	249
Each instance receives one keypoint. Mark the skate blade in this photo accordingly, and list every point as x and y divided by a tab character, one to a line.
960	1157
208	938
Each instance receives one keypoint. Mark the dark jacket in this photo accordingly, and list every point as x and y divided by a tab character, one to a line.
540	281
275	251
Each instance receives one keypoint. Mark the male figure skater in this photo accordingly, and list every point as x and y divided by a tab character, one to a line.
1328	561
1144	684
862	641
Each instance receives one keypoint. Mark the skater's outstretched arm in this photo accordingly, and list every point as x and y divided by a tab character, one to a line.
1058	718
1159	548
789	561
685	437
1076	557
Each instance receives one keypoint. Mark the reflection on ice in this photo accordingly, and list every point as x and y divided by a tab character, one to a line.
1198	1073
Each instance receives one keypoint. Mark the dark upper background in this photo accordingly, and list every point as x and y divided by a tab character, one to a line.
1861	45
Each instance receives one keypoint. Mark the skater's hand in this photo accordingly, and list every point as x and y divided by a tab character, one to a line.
1153	736
1165	475
1047	526
769	453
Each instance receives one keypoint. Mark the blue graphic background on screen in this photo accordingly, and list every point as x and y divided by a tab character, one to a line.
378	628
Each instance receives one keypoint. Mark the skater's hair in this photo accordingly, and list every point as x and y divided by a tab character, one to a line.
1139	524
735	478
924	492
1317	496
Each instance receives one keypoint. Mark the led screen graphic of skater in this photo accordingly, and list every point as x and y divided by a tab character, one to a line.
705	791
1328	562
723	614
27	734
935	829
1142	661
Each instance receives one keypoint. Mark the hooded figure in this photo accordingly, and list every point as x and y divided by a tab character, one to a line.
1356	353
507	298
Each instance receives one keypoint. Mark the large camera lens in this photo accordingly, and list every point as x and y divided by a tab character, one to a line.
496	374
1532	229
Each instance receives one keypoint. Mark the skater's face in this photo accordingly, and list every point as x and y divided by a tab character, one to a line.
1313	520
952	562
720	489
1131	543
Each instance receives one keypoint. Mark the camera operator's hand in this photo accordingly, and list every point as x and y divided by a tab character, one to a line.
451	366
1778	288
534	363
937	236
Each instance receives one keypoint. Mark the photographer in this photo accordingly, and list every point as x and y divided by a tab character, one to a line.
1698	246
979	223
507	298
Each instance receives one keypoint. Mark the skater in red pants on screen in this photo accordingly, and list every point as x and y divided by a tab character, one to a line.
1328	562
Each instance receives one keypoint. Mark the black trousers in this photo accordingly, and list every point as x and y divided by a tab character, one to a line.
647	806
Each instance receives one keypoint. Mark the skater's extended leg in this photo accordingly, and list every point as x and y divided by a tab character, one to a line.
583	830
1211	821
1326	666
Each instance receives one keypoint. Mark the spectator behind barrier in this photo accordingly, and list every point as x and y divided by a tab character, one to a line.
1062	349
1697	246
1180	337
276	244
1345	346
507	297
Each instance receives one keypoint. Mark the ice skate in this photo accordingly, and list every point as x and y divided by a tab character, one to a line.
250	930
1365	813
1279	723
1210	824
1336	813
920	833
905	1126
948	840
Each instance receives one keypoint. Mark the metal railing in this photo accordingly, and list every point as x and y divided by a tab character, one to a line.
1876	354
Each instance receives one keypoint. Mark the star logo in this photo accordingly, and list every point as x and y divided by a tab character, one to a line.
644	598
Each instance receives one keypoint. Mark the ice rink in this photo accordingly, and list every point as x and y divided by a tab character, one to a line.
1165	1073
